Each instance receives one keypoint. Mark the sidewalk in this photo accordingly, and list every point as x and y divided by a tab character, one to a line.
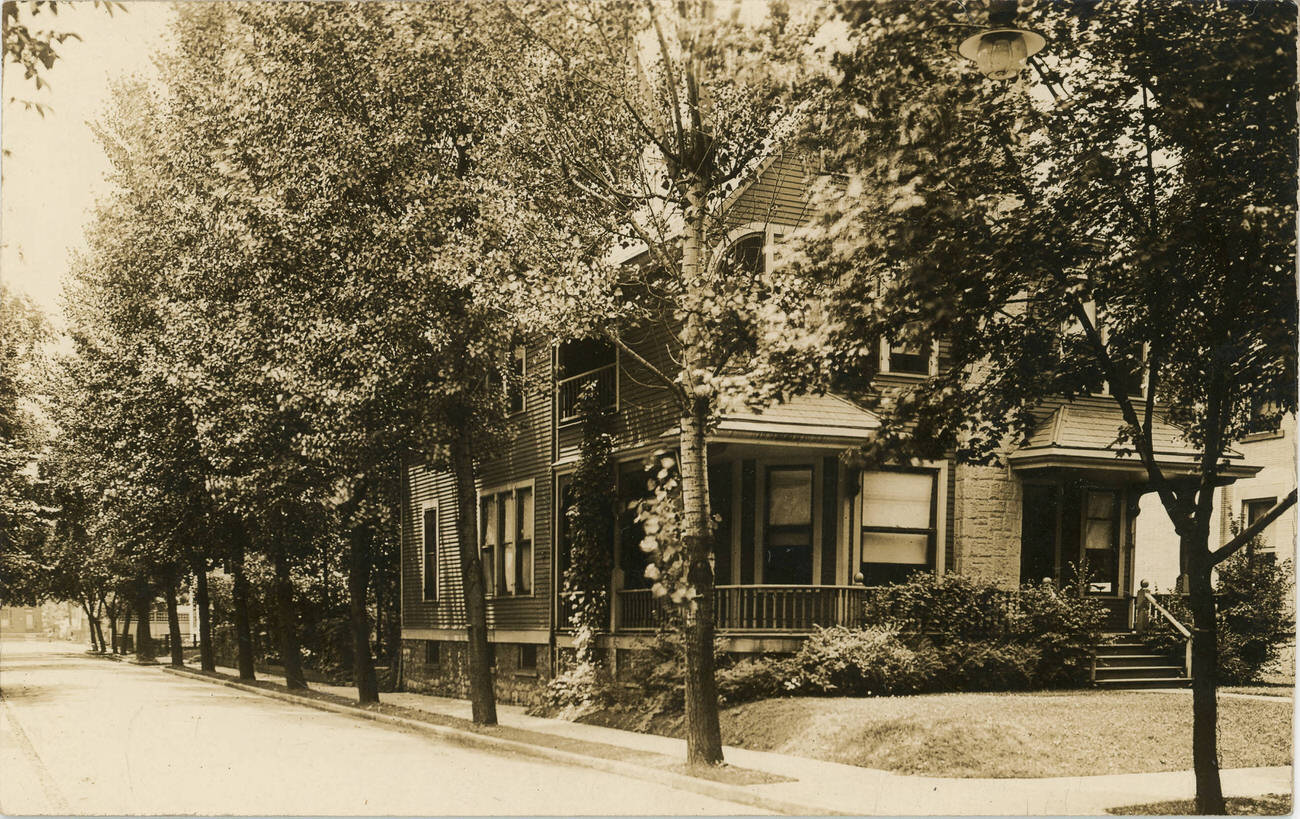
813	786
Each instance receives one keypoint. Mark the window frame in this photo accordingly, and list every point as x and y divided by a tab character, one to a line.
516	384
886	361
1267	546
496	494
934	532
425	508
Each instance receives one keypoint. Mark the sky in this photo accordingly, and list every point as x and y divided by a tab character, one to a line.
53	168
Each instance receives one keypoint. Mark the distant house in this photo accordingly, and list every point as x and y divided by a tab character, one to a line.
803	535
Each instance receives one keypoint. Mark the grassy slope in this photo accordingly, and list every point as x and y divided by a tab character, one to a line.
1011	735
1271	805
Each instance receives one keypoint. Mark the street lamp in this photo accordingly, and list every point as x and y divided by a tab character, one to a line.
1000	53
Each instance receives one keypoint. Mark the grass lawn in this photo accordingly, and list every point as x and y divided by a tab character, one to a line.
1272	805
1074	733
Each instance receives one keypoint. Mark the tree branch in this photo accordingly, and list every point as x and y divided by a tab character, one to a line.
1248	534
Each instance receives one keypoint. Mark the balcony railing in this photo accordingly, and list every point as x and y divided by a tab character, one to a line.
754	608
568	390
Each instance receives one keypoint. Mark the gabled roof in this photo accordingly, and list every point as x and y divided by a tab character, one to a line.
1082	435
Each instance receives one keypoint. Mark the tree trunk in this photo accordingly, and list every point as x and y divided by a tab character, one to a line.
239	593
174	642
703	733
112	625
481	694
143	640
126	627
359	562
290	656
91	621
207	657
1205	673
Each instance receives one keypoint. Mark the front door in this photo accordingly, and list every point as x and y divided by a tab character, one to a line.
1101	540
1038	533
788	533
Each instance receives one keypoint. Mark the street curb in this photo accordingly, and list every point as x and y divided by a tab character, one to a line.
717	790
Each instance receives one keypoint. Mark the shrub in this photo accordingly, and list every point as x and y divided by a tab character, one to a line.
1038	635
861	662
754	678
1255	617
1252	599
983	665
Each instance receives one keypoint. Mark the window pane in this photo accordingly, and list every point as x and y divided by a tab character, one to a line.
789	493
893	547
1101	505
1098	535
504	579
897	499
488	520
524	502
430	554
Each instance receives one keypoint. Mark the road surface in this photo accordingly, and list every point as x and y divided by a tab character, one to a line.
83	735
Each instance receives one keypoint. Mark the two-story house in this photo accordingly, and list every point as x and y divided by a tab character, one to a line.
801	535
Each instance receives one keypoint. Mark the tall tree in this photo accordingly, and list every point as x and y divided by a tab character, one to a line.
23	335
640	121
1120	217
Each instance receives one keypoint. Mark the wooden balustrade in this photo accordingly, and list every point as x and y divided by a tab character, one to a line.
568	389
755	608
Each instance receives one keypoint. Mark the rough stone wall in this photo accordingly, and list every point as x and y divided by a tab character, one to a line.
986	524
450	676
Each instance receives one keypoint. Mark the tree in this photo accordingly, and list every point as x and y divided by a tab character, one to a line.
23	335
1126	221
373	335
34	48
639	123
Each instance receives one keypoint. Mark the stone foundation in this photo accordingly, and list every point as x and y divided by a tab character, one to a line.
448	673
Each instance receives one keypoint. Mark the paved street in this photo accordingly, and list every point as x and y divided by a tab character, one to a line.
82	735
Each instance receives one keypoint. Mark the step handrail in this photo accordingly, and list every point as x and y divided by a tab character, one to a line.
1144	596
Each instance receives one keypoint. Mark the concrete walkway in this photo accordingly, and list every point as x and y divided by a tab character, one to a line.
829	787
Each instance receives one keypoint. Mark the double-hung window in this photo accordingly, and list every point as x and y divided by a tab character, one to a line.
914	355
899	524
429	554
506	541
1253	510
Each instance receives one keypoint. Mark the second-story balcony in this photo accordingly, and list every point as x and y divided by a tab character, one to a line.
604	379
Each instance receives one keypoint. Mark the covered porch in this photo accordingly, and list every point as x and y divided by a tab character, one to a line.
1082	496
793	544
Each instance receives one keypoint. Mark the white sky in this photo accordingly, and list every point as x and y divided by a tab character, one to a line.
55	169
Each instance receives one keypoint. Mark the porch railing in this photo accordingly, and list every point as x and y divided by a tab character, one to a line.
568	389
754	608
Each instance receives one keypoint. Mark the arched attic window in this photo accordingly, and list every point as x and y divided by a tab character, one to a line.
748	254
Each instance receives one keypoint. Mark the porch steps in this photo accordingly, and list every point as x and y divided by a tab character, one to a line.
1123	663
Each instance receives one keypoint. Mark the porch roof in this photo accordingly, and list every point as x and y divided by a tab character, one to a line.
807	418
1083	436
804	416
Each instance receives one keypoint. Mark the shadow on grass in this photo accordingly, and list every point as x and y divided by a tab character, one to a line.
1273	804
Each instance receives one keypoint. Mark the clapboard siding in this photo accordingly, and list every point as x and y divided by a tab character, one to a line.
526	458
779	195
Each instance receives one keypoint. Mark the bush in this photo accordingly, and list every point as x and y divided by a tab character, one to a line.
754	678
988	666
861	662
990	637
1252	600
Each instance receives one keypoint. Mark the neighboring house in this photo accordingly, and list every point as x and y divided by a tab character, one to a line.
803	534
159	631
